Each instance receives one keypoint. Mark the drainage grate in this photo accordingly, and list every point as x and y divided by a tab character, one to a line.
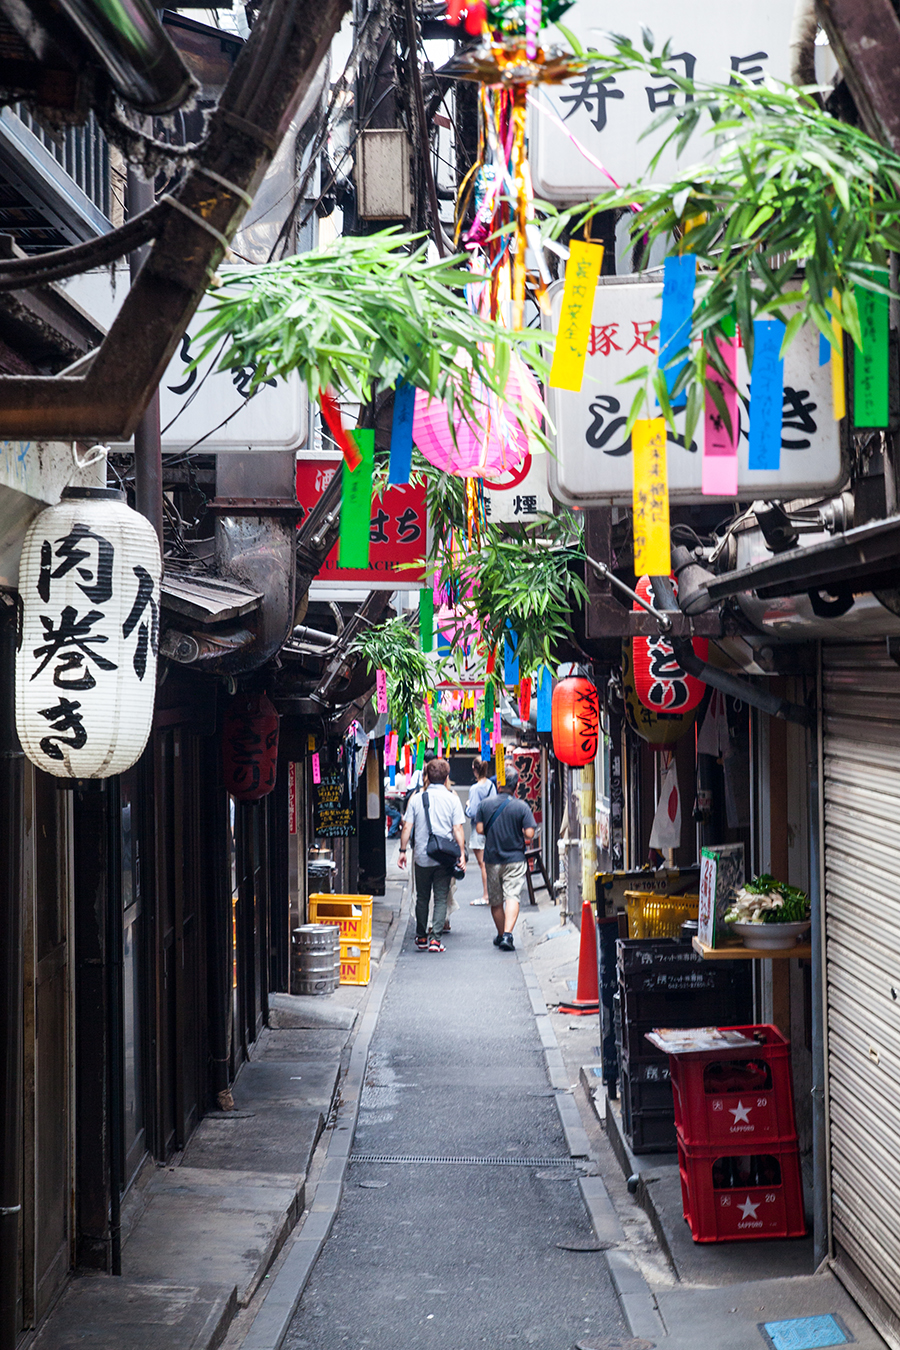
461	1162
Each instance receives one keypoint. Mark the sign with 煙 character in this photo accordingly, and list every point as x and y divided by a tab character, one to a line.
592	460
521	495
86	667
607	116
397	532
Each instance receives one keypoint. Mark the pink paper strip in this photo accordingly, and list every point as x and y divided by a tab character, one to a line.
317	772
381	691
497	730
720	464
428	722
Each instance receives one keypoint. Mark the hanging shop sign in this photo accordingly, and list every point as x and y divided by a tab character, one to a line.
397	532
215	408
660	682
250	747
592	460
86	666
530	787
520	496
576	721
607	117
333	813
657	727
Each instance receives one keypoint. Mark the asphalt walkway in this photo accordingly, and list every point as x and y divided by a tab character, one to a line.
483	1249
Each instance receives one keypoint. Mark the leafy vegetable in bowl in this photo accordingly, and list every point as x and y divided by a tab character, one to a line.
765	900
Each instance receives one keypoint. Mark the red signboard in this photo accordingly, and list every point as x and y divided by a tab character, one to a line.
396	532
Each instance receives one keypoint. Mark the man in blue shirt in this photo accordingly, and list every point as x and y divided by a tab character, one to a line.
507	825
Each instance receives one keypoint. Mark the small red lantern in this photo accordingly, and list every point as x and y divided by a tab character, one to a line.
660	682
576	721
250	747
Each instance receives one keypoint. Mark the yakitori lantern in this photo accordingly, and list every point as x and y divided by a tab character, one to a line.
659	728
86	668
250	747
491	442
660	682
576	721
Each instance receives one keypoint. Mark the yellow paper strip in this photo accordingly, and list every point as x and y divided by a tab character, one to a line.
652	548
838	393
500	764
582	272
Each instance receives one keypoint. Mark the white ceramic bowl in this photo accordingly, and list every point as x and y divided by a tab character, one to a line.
771	936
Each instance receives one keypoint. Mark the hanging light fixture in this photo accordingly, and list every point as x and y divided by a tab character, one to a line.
250	747
575	716
86	667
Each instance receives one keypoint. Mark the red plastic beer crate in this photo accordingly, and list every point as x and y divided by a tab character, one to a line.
736	1098
768	1205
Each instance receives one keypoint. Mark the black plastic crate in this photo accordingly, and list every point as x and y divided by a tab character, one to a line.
649	1131
640	954
647	1086
681	1008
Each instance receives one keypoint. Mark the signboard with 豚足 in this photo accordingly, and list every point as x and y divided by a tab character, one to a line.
608	115
592	460
333	813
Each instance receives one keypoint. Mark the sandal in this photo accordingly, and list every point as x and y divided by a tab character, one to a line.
435	946
446	928
422	943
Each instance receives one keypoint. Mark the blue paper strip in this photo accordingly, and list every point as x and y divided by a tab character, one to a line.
392	772
766	395
510	657
545	700
443	644
485	742
824	350
675	321
401	434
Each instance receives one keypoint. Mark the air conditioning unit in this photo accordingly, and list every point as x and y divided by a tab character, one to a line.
382	175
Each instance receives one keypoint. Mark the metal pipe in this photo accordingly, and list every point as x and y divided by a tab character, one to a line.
665	623
147	438
12	768
817	910
115	1012
419	100
130	42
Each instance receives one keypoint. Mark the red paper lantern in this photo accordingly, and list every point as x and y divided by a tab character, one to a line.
250	747
576	721
660	682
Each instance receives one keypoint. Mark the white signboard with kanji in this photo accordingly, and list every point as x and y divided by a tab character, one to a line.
522	495
709	43
592	465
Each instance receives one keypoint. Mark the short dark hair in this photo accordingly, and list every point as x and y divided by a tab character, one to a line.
428	756
437	771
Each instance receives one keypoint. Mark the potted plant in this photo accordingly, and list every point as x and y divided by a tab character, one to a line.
769	914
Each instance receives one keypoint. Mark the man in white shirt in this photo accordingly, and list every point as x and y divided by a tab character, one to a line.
446	817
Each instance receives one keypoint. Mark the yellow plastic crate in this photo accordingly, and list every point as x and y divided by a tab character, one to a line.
655	916
351	913
355	962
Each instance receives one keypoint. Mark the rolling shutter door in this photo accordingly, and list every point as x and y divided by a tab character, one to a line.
861	697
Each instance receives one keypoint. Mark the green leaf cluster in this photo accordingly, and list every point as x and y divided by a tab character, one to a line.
392	647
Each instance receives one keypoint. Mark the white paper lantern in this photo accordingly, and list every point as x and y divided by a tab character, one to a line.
86	667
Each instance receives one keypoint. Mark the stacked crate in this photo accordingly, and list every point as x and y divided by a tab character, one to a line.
352	914
730	1100
664	983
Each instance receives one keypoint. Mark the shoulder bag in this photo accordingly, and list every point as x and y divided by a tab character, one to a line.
443	848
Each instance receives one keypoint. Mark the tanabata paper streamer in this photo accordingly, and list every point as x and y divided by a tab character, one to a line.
545	700
429	722
525	700
356	504
316	769
766	395
310	742
426	618
485	743
402	433
870	366
420	754
392	774
720	442
675	320
652	550
497	728
332	414
838	386
573	334
381	705
489	700
510	657
500	764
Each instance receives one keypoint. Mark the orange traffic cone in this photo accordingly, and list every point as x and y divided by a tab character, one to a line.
587	994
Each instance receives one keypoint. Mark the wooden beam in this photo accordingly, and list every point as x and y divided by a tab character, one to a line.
865	39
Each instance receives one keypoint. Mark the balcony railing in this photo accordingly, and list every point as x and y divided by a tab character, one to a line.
82	152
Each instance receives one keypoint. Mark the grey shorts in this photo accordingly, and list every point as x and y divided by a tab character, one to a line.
504	882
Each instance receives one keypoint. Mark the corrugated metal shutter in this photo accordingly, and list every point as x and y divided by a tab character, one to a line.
862	923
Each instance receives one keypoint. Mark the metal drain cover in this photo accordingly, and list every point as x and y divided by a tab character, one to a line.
585	1245
424	1160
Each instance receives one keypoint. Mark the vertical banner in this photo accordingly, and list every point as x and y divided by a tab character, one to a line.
400	465
652	547
316	769
500	764
573	335
545	699
675	321
426	618
525	700
720	465
356	504
766	395
870	366
838	387
420	754
381	703
510	657
489	700
292	798
485	743
498	730
429	721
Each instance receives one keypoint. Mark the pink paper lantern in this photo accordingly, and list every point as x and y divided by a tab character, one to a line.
494	441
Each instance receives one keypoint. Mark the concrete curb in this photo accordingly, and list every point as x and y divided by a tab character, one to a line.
270	1325
637	1302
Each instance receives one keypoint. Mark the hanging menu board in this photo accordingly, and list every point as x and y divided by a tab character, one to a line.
334	816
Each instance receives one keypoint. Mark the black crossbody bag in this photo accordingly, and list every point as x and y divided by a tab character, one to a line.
443	848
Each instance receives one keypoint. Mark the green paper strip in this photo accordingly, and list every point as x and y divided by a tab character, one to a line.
420	754
426	618
870	366
356	504
489	701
